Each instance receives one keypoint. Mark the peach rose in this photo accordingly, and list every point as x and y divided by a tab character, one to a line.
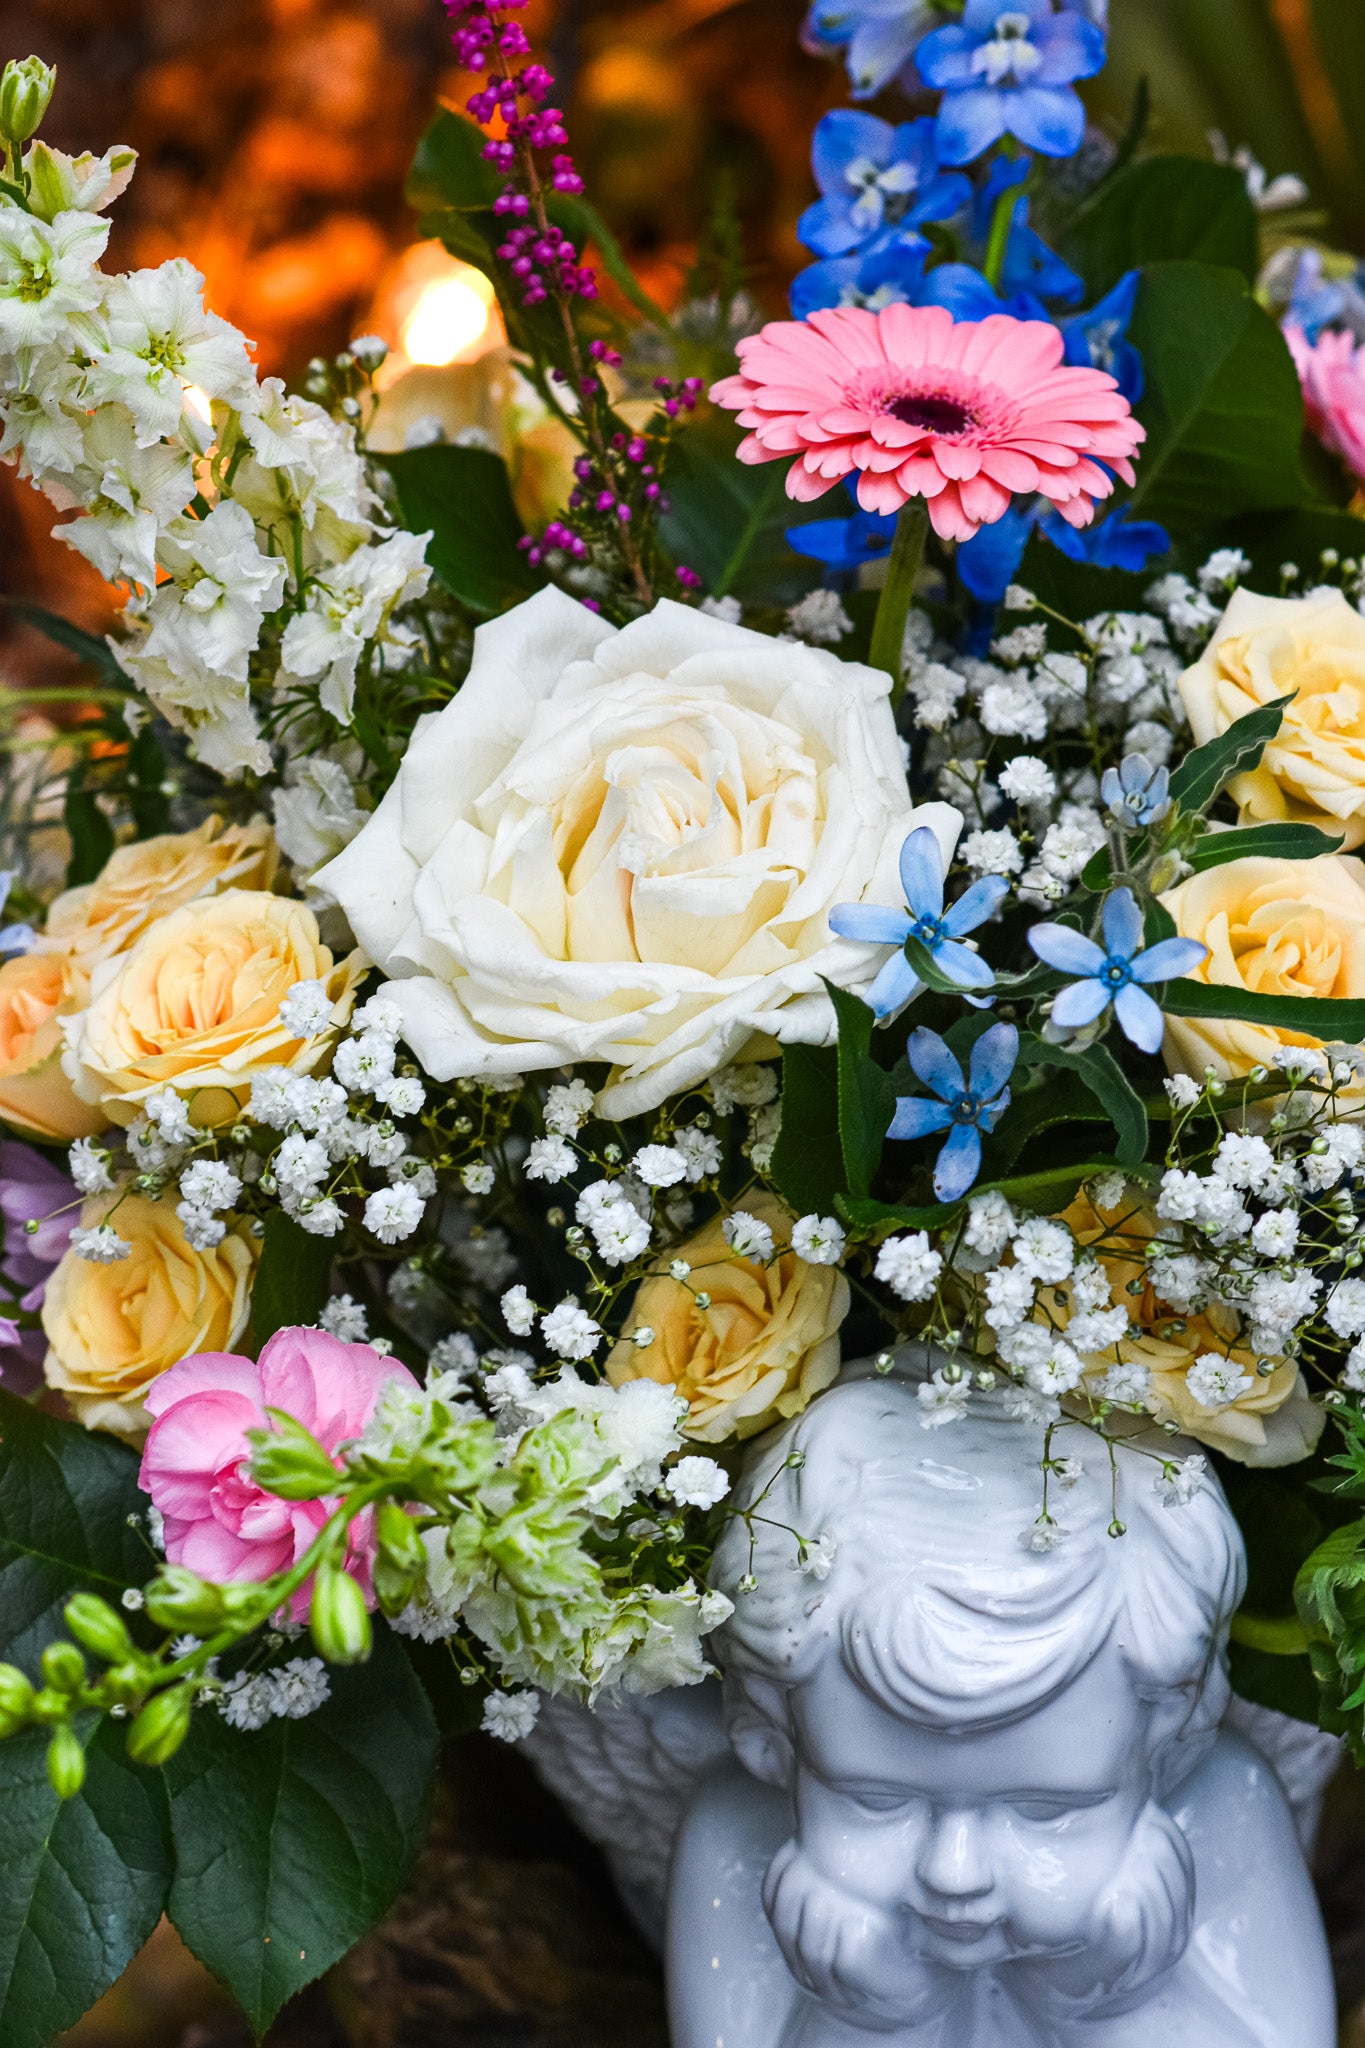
1272	1423
1313	771
195	1006
140	883
36	1097
113	1329
768	1341
1278	927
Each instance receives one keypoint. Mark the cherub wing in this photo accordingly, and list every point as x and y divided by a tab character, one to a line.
1303	1758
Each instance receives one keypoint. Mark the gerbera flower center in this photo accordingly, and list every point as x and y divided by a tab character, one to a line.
932	410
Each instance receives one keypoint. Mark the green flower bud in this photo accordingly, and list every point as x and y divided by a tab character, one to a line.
63	1667
178	1598
97	1627
286	1460
162	1726
340	1624
16	1698
25	89
65	1762
399	1537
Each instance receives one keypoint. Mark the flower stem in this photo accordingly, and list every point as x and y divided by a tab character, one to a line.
1002	220
907	553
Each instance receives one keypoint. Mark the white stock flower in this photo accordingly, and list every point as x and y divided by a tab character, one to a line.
624	846
303	465
159	340
48	278
129	493
221	586
316	812
86	183
347	606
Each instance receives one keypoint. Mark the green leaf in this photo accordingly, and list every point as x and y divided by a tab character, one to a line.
1222	408
147	798
92	836
1270	539
1168	208
463	498
88	646
82	1881
292	1279
65	1498
1102	1075
1328	1018
728	519
1064	1099
1077	590
448	168
1200	776
1269	1680
806	1157
1339	30
292	1841
1262	842
867	1100
584	224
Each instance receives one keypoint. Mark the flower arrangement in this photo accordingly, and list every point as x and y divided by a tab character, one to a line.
521	1008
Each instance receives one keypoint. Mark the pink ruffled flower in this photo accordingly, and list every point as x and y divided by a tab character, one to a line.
962	413
218	1521
1332	373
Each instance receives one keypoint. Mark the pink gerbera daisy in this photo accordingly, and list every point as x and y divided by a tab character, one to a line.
960	412
1332	374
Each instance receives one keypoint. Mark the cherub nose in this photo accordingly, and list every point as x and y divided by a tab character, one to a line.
951	1861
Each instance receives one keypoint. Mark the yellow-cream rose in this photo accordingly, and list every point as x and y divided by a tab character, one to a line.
113	1329
1313	771
768	1341
1277	927
140	883
36	1097
1272	1422
195	1006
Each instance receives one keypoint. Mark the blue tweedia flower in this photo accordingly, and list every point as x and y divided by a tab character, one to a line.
1010	71
965	1108
1098	339
1112	972
843	545
924	919
878	37
1137	792
873	176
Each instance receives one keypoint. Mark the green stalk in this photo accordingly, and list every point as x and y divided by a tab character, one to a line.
1002	220
888	629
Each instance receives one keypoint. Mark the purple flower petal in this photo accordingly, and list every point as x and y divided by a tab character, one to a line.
1139	1018
1080	1004
916	1117
1070	952
931	1059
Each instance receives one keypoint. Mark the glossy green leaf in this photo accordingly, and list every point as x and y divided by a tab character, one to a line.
1165	209
1098	1070
1062	1099
728	519
1202	773
82	1881
1261	842
448	168
463	498
867	1100
1328	1018
292	1841
292	1278
92	835
806	1165
1222	407
66	1495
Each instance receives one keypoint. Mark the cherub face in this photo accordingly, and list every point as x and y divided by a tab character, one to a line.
917	1848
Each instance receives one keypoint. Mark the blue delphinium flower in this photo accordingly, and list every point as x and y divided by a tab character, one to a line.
1098	339
1029	265
965	1108
924	919
1117	542
1111	973
1138	792
878	37
1010	71
872	176
843	545
14	938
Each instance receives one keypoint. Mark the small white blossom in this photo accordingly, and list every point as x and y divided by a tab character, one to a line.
518	1311
299	1688
510	1716
1181	1196
568	1105
1223	568
700	1149
345	1319
382	1014
417	1174
1058	1373
393	1213
89	1167
659	1166
319	1215
1019	599
815	1558
210	1184
1025	643
300	1163
361	1064
550	1159
1044	1249
1353	1373
1108	1190
819	1240
1012	708
1301	1062
819	618
203	1230
1180	1479
748	1236
1009	1297
1183	1090
102	1244
1099	1330
569	1330
1128	1383
247	1702
992	853
478	1177
1027	780
1214	1382
697	1483
743	1087
942	1400
728	610
453	1354
169	1112
306	1009
909	1266
1345	1144
1043	1535
1090	1287
1242	1160
1344	1313
1275	1234
990	1226
679	1269
404	1095
620	1232
1067	1472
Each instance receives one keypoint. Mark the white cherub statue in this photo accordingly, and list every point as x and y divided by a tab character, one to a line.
983	1798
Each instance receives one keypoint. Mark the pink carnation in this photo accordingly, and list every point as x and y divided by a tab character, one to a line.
1333	379
960	412
218	1521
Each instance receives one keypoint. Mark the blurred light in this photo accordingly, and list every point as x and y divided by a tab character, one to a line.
449	316
198	403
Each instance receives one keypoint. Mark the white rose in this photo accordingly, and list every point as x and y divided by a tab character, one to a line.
624	845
